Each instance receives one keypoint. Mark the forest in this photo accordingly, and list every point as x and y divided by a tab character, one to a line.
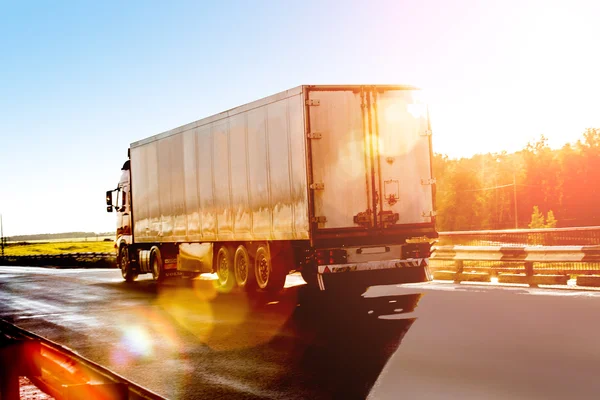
535	187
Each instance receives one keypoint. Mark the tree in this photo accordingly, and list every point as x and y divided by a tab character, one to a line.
550	220
537	219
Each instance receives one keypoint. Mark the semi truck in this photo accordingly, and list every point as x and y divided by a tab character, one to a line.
331	181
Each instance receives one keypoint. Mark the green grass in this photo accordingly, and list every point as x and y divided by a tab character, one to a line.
30	249
64	240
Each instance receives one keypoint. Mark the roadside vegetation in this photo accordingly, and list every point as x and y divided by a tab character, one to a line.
485	191
31	249
62	237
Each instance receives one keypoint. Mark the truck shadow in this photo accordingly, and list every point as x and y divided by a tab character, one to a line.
299	343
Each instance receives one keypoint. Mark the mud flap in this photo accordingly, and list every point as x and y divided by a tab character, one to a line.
359	280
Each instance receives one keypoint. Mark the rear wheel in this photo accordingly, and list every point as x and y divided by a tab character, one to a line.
243	268
158	270
224	267
269	275
125	265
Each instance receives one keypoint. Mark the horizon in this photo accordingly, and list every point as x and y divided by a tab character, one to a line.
99	233
83	81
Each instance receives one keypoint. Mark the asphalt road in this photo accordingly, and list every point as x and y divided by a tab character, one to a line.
184	340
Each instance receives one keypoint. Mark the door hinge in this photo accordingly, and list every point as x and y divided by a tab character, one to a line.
313	102
426	132
315	135
319	220
426	214
364	218
429	181
317	186
388	217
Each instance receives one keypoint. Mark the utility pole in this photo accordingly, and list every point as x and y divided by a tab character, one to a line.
515	199
1	235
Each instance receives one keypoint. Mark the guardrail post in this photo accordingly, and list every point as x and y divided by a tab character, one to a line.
9	386
9	377
459	265
529	273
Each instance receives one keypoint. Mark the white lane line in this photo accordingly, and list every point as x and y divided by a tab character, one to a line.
34	306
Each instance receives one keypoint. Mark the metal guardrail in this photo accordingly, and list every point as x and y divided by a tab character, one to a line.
67	260
58	371
579	236
534	265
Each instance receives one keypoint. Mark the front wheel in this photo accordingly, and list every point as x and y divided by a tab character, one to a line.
125	265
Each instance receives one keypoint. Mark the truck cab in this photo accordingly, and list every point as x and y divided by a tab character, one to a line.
119	200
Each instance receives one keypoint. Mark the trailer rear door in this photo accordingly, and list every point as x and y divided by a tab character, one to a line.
341	184
370	156
403	156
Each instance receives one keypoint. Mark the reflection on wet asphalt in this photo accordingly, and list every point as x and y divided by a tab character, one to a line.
299	345
184	339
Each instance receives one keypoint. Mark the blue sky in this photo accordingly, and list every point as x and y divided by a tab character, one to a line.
79	81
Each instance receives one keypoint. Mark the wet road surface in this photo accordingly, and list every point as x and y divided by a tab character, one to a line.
184	340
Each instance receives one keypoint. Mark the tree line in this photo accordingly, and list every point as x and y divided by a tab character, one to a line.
534	187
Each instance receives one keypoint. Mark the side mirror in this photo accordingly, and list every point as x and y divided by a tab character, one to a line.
109	208
109	200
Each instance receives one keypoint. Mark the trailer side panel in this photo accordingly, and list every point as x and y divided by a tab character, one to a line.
236	176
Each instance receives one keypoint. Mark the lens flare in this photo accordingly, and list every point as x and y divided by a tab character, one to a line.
144	335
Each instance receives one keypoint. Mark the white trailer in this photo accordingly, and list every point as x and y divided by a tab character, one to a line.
332	181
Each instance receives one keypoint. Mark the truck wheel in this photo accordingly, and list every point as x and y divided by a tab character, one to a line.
224	267
243	268
158	270
125	264
269	275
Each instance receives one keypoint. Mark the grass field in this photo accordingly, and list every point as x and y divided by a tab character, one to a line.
30	249
64	240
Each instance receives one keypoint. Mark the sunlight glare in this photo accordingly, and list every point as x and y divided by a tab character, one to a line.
138	341
135	343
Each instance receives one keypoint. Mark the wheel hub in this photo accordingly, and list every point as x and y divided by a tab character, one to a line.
243	267
223	269
263	269
123	261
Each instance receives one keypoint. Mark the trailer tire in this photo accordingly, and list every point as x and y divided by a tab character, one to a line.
224	269
243	267
156	263
270	274
125	265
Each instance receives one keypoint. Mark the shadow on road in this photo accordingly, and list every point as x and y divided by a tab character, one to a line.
296	344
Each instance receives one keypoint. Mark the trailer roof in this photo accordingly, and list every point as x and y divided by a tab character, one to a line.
259	103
